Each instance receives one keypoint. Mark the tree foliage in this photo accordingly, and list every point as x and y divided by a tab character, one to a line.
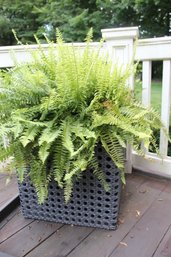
74	17
18	15
154	17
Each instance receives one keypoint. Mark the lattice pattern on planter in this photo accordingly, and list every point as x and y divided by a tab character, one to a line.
89	205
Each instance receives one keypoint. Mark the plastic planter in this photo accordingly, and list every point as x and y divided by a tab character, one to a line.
89	205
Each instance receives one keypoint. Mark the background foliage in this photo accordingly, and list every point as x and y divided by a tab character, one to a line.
74	17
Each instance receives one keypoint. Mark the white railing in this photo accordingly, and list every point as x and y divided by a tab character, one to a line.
147	51
120	45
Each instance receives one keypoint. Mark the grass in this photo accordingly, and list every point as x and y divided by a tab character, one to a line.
156	94
156	97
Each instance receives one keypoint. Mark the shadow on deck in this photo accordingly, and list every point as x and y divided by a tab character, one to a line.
144	229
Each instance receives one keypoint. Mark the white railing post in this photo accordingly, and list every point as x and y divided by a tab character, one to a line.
165	109
146	83
120	46
146	88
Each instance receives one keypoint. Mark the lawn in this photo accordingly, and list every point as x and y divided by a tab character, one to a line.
156	93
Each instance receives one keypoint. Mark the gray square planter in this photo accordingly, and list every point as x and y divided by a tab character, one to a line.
89	205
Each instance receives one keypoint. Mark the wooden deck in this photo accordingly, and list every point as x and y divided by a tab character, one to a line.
144	230
8	194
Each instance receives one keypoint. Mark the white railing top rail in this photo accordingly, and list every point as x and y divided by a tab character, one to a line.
22	52
146	49
154	49
45	46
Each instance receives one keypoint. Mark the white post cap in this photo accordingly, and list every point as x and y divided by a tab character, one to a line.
120	33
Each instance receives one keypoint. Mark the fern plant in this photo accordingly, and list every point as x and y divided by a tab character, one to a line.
57	107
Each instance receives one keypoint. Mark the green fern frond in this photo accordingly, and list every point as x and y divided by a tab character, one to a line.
22	159
15	35
44	152
5	153
98	172
40	182
67	138
55	108
79	166
59	37
68	190
49	135
89	36
29	135
113	148
60	161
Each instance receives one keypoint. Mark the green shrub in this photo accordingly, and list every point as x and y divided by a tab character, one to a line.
56	108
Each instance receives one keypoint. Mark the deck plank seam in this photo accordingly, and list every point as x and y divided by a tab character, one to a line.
79	243
161	240
7	209
6	220
62	225
16	232
138	220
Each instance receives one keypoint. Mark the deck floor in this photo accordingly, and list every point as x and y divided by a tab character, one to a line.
144	229
8	193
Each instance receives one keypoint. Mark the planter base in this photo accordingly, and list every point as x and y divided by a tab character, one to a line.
89	205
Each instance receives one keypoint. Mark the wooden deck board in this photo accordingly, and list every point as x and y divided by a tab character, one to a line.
28	238
8	218
145	231
61	242
8	192
148	231
164	248
15	224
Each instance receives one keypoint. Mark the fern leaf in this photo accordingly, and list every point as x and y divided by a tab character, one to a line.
60	160
29	135
99	173
49	135
79	166
89	36
67	138
40	182
82	132
68	190
59	37
113	148
44	152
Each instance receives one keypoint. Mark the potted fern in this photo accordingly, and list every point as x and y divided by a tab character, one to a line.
68	115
